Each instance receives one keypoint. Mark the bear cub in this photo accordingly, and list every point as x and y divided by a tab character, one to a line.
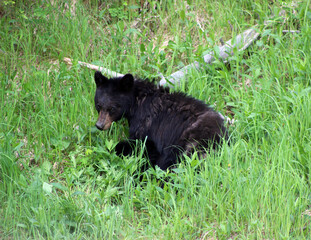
171	124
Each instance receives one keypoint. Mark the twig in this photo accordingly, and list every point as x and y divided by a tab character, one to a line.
230	25
291	31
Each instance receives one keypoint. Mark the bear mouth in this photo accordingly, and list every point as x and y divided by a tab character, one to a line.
107	126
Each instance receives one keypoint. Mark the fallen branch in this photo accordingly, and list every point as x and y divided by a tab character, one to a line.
241	42
94	67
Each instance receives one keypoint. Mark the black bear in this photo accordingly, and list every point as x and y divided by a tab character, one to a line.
171	124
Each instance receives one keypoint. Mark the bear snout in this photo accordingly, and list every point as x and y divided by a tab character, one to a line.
104	121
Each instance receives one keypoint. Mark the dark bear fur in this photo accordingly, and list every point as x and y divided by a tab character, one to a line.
170	123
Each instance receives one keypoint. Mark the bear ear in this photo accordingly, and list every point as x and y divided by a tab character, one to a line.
100	79
126	82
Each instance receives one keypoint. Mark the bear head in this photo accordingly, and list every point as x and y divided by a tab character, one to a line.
113	98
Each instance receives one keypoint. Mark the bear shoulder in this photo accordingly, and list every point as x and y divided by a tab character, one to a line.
145	87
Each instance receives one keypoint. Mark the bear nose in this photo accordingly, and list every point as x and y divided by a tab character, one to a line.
99	126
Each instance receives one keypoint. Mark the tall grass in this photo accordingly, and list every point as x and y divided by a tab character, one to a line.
59	176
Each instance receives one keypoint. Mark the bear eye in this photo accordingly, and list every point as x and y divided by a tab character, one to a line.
97	106
112	110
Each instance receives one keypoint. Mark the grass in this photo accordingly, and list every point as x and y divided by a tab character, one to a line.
59	176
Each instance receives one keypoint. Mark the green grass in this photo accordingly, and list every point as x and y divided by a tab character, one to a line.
59	176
